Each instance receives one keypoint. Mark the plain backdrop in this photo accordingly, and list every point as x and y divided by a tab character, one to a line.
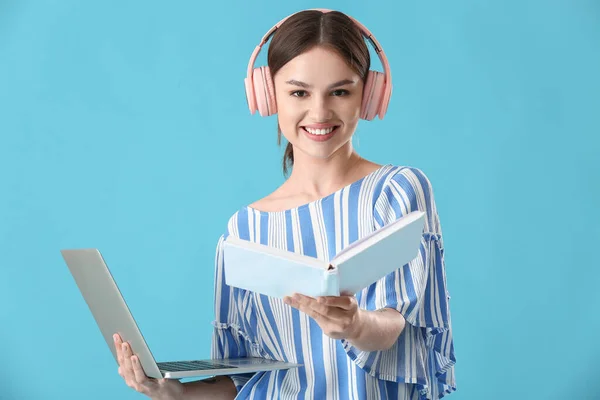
124	126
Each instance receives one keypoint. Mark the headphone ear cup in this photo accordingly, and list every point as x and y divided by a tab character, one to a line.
263	90
271	100
372	95
367	94
250	98
259	90
385	101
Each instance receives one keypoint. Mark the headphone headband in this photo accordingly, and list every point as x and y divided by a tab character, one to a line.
365	32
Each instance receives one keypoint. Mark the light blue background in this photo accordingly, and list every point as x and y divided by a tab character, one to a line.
123	126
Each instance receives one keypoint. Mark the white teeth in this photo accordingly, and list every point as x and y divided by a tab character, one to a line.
319	131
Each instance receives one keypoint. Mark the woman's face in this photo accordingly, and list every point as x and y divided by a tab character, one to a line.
318	102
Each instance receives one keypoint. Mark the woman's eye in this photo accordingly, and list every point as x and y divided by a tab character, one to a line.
299	93
341	92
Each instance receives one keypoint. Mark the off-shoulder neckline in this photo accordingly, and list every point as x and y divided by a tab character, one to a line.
322	199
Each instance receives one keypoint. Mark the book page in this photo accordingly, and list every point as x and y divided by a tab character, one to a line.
366	241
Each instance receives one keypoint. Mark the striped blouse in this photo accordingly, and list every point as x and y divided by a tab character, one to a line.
420	365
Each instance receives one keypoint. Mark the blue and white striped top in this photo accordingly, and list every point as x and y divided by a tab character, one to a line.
421	363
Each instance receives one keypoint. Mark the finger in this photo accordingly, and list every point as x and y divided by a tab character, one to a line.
293	301
310	307
316	309
331	312
302	297
127	367
306	300
321	307
300	301
143	381
118	343
344	302
314	314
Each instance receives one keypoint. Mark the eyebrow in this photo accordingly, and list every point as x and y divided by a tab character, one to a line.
333	85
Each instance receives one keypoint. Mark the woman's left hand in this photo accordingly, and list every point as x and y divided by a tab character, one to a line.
338	316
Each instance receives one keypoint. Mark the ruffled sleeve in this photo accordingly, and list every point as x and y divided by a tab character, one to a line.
229	339
424	353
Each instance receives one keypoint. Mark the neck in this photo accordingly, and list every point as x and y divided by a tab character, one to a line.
319	177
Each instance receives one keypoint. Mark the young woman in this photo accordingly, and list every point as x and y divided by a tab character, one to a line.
392	340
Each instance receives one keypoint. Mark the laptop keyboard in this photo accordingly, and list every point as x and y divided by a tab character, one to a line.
191	365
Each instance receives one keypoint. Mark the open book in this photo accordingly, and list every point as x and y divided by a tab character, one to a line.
277	273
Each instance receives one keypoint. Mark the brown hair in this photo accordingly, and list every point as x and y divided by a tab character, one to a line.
307	29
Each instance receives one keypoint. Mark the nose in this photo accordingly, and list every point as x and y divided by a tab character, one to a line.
320	109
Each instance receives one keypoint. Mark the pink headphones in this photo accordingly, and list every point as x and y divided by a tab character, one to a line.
260	92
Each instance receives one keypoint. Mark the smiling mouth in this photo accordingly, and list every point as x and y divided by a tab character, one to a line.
322	132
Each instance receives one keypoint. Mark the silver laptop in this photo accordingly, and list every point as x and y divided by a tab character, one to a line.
113	316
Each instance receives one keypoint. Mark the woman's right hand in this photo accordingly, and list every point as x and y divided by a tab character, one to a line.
131	371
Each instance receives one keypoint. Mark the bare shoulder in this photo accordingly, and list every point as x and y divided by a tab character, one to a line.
367	167
286	197
277	200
